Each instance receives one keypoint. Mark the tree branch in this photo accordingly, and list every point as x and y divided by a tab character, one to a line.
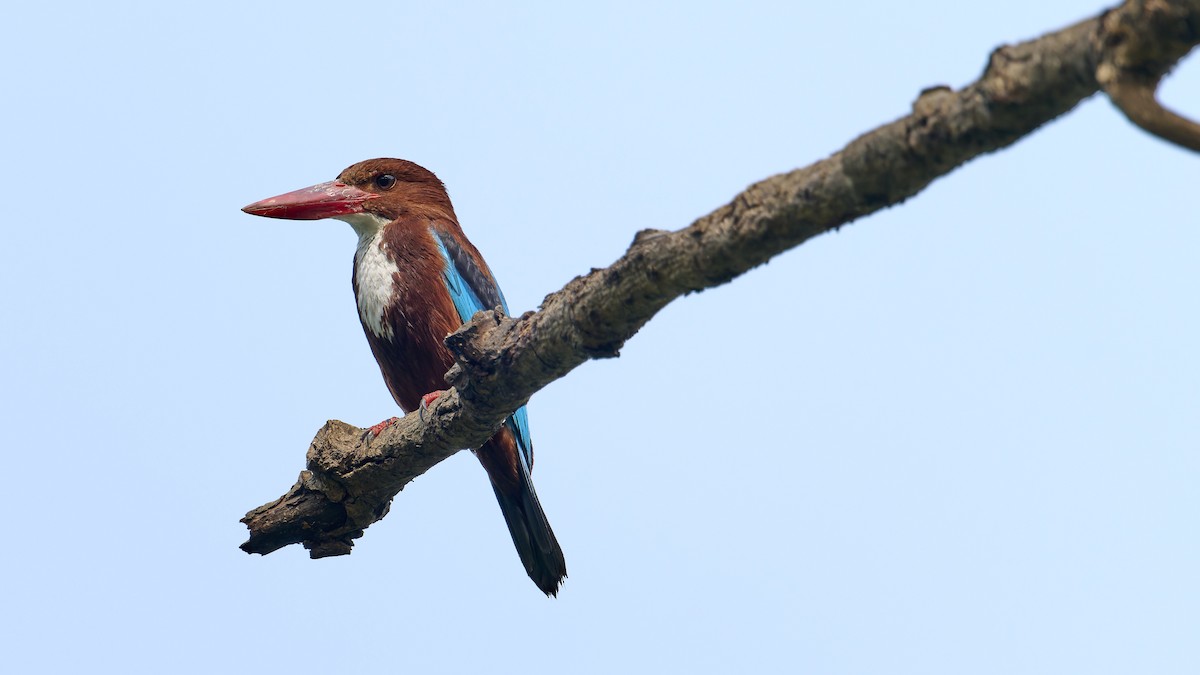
1133	61
502	361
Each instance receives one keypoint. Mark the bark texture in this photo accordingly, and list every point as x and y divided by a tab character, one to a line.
349	482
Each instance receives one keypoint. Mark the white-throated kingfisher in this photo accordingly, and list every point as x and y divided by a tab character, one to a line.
416	280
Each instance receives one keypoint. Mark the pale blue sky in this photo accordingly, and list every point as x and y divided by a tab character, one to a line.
959	436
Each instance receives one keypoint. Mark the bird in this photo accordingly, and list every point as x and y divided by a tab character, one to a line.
416	279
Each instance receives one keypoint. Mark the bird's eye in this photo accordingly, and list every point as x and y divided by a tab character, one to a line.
385	181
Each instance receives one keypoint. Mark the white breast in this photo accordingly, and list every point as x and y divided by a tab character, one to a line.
373	271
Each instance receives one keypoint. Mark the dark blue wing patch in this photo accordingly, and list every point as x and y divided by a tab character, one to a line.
519	424
471	287
473	290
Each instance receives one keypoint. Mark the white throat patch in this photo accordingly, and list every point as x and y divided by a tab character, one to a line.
373	271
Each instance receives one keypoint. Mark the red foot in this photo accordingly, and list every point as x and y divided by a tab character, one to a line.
427	400
378	428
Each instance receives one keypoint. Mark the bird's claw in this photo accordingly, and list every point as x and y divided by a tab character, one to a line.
427	400
373	432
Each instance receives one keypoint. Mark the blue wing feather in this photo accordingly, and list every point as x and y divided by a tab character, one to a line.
472	290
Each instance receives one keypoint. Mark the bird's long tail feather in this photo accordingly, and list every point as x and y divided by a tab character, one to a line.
531	534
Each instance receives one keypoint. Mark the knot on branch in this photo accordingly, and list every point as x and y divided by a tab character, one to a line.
477	346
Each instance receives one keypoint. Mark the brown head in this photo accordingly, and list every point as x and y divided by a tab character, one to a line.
377	190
